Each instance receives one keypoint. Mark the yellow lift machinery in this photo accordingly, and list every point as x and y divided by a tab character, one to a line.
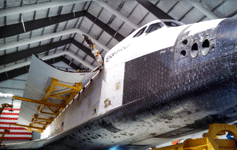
39	124
209	141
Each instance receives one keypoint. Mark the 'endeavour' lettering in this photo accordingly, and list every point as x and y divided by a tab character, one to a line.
116	52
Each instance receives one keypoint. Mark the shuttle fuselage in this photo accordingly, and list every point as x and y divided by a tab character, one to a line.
163	81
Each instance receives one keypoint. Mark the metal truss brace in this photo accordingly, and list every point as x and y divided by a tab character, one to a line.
5	106
39	102
29	127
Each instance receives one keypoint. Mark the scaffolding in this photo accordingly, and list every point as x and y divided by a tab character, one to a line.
39	124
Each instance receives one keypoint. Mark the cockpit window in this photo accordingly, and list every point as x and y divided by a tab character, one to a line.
154	27
140	32
171	24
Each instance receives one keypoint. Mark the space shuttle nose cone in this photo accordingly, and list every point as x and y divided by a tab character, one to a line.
226	36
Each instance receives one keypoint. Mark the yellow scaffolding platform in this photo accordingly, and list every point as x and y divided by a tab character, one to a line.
40	124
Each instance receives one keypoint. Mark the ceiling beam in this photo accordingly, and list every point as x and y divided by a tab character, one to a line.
13	73
180	19
154	10
35	7
63	59
23	70
118	14
49	36
203	9
68	53
213	9
105	27
14	29
69	63
15	56
83	48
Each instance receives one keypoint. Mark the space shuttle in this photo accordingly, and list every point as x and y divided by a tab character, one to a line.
164	81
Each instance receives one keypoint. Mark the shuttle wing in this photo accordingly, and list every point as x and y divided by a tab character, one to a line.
39	78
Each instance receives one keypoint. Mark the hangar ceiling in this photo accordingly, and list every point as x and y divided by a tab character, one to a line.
48	27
